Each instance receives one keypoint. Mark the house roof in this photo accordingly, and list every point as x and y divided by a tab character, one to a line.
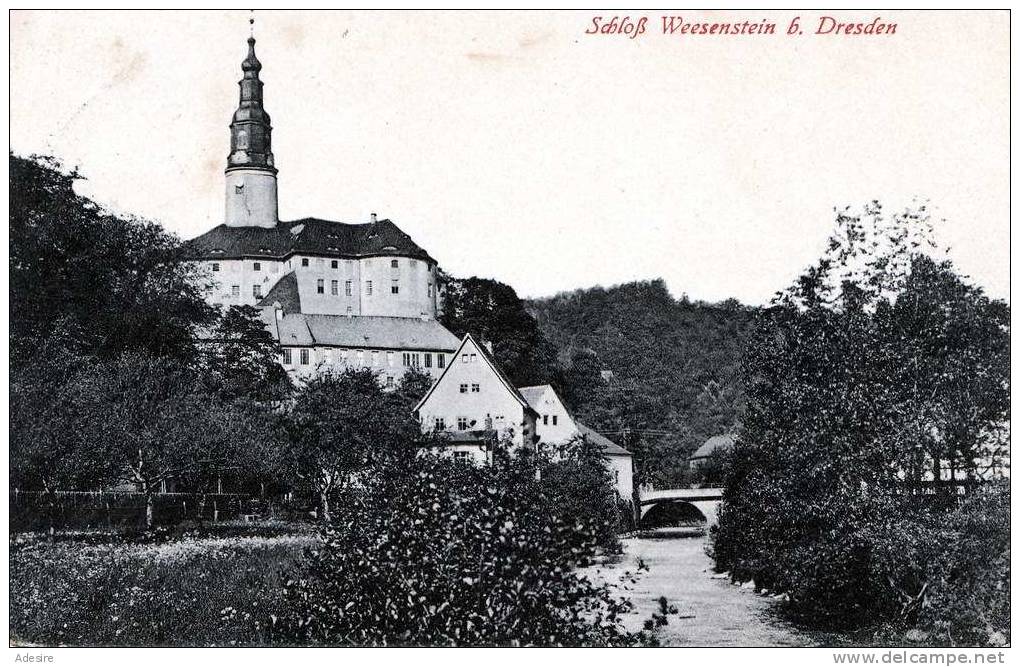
483	352
307	236
609	447
384	333
713	444
533	394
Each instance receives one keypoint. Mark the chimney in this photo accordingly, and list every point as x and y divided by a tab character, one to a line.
279	310
374	218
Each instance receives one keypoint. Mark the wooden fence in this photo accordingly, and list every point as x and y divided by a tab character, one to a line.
36	510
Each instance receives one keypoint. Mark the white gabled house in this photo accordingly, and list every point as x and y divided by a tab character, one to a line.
474	403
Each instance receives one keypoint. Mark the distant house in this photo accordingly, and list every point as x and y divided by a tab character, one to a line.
717	443
473	403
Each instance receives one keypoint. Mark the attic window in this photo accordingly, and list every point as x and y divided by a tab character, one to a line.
217	251
297	229
390	247
333	248
265	250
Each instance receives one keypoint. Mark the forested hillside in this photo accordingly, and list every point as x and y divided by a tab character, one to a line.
657	374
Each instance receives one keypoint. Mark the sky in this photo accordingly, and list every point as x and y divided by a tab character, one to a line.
517	147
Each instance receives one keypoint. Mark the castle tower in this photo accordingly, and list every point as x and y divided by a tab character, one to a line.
250	173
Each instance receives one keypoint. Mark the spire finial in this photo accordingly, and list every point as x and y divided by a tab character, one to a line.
251	23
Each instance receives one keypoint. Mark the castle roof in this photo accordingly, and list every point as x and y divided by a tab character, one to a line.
377	333
285	292
307	236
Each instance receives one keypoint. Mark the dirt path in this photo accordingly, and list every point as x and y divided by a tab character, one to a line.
723	614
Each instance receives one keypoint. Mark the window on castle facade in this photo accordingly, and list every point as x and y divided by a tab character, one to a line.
256	291
256	266
389	382
235	290
440	423
334	264
428	360
412	359
394	263
368	287
375	357
395	288
319	286
216	266
462	456
304	261
475	388
555	419
334	287
441	360
463	388
304	357
287	359
462	423
430	290
545	420
347	288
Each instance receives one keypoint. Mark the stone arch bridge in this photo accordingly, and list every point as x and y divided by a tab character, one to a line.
705	501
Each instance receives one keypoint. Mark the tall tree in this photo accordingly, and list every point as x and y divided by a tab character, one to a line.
878	370
107	283
340	422
244	357
154	421
492	311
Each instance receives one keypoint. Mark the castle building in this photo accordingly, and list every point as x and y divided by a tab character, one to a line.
333	294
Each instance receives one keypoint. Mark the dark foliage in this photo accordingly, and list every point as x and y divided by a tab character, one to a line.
433	552
99	283
580	488
340	423
243	358
879	372
492	311
672	368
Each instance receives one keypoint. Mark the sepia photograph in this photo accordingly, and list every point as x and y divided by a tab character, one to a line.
477	328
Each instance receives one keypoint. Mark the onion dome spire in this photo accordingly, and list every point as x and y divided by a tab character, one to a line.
250	129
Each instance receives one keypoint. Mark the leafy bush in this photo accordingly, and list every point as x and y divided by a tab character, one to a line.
436	552
579	486
878	372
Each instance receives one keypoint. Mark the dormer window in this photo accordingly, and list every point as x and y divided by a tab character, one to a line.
217	251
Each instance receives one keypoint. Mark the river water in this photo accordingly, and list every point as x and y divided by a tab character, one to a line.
712	612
